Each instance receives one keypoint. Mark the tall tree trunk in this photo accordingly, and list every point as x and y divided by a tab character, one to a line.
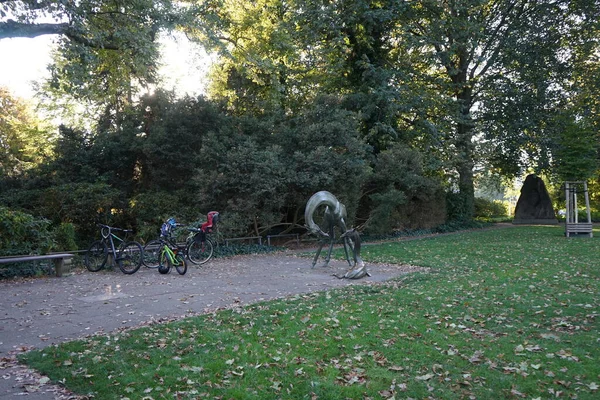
464	139
464	166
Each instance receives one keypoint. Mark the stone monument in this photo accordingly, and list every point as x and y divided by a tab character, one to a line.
534	205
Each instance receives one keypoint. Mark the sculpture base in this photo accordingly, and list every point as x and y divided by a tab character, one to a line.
535	221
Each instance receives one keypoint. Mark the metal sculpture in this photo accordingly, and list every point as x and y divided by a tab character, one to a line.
334	216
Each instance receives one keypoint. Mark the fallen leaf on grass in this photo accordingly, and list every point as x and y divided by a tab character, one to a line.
519	349
396	368
476	357
425	377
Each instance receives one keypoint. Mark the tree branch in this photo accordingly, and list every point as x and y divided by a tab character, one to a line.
13	29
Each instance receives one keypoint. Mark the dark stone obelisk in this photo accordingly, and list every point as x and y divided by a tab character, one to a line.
534	205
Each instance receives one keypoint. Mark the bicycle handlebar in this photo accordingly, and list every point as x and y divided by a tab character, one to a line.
112	228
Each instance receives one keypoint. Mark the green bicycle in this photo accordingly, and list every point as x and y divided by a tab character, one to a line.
163	253
128	256
169	257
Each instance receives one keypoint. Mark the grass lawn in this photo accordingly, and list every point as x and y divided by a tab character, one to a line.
503	313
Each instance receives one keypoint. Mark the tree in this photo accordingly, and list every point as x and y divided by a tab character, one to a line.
94	24
107	50
406	200
22	233
575	150
23	138
508	56
576	141
259	68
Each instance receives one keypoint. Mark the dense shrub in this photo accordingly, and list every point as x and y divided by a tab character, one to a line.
84	205
183	158
22	233
485	208
64	236
403	197
258	174
150	209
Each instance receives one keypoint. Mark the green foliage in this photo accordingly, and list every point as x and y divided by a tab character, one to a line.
171	139
400	189
455	208
254	169
371	100
527	111
23	138
260	70
151	209
576	150
83	204
76	158
412	72
22	233
237	249
327	153
107	52
258	194
485	208
65	237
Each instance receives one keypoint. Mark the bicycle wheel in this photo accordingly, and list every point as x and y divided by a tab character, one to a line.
152	252
130	257
96	256
164	265
200	251
180	264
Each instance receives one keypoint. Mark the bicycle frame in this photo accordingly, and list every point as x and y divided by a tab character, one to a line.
170	253
170	256
127	255
107	237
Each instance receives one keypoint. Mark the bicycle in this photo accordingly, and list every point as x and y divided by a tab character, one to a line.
198	248
128	256
199	245
164	253
171	256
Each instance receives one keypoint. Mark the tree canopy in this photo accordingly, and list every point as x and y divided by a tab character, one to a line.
398	107
23	137
447	73
106	50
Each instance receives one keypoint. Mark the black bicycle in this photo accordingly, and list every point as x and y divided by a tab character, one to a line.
128	255
199	245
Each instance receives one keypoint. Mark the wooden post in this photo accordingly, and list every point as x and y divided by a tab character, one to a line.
587	202
572	224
